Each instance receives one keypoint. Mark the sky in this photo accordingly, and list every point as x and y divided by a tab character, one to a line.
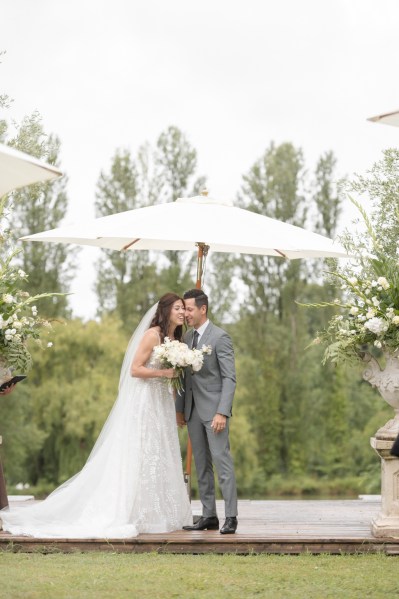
232	75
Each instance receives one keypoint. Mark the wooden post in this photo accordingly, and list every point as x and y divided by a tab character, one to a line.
3	490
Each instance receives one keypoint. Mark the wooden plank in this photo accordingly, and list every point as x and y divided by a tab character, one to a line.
335	526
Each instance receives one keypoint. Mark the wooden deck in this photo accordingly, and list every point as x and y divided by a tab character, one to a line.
292	526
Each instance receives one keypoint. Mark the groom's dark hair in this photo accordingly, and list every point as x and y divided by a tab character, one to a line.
201	299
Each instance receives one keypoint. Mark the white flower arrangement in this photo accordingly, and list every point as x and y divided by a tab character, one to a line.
368	322
19	320
177	355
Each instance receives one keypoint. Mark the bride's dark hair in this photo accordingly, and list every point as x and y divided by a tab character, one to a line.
162	315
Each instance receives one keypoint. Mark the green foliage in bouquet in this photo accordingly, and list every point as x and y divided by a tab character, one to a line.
368	318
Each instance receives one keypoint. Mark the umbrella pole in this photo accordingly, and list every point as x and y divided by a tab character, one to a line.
202	252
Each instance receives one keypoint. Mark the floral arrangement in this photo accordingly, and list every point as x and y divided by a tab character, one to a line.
368	322
19	320
177	355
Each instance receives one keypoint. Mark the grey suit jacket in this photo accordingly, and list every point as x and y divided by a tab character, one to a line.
214	385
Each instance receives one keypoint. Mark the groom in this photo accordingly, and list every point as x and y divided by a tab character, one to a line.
205	405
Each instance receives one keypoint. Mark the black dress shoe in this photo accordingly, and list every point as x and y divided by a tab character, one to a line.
211	523
229	527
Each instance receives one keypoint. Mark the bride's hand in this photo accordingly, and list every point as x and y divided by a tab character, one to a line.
170	373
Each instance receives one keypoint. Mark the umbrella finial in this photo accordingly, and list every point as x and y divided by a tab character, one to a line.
204	192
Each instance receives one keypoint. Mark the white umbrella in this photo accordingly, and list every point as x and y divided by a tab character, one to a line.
18	169
390	118
189	222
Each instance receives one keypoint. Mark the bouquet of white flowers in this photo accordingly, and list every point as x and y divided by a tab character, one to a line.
177	355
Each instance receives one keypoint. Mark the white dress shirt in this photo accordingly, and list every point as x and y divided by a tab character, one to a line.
201	331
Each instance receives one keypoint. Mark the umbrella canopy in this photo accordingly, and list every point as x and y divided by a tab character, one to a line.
18	169
390	118
189	222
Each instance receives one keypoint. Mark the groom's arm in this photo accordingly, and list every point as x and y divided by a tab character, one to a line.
225	356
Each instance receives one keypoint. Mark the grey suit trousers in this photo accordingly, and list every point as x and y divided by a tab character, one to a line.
213	447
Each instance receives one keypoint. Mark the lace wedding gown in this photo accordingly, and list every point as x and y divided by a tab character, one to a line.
132	481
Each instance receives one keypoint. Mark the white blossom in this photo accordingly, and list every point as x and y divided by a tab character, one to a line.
8	298
9	334
377	325
383	282
376	301
378	343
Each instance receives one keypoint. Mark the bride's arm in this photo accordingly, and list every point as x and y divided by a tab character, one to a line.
138	369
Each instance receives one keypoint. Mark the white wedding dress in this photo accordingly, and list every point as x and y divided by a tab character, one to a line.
132	482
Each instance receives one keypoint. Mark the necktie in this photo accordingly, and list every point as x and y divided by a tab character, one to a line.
195	339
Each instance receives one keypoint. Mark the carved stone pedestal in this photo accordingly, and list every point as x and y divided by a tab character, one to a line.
386	524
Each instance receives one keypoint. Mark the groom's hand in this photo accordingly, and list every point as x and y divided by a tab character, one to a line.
219	423
181	421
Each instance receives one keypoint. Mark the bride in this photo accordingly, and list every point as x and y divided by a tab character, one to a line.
133	480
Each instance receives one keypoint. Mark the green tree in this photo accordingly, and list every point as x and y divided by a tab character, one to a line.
50	267
127	282
326	195
69	396
176	163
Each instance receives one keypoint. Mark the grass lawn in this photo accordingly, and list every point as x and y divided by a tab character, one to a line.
197	576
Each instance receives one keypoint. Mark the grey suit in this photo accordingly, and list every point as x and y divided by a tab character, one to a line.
207	392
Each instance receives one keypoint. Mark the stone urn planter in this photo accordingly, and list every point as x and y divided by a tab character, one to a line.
5	371
386	380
